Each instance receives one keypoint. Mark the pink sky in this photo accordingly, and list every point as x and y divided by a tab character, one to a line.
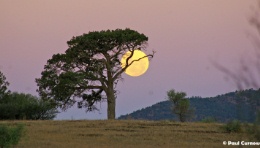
186	34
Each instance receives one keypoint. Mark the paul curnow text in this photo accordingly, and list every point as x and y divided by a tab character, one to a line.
240	143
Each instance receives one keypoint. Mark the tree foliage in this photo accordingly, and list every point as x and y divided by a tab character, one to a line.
89	69
175	97
182	109
25	106
181	105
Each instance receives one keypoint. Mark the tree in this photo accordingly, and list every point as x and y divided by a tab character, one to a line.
89	69
25	106
182	109
3	85
181	105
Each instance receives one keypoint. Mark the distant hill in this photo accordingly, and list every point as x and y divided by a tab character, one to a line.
241	105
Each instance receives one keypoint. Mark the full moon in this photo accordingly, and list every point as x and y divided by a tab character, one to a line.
138	67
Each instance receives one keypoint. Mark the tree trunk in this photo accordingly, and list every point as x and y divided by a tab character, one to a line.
111	99
182	117
111	105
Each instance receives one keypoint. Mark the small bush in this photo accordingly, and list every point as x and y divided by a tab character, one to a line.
254	130
233	126
10	135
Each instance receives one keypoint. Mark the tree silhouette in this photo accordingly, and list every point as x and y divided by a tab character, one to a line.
181	105
90	68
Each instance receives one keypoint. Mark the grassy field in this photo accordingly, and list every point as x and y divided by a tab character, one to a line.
123	133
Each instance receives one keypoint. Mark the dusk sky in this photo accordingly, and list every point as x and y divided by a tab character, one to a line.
186	35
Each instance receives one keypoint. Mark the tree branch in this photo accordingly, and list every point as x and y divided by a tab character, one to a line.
127	65
89	87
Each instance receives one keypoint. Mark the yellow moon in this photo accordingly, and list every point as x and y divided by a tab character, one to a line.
138	67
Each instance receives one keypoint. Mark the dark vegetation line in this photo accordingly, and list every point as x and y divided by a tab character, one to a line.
241	105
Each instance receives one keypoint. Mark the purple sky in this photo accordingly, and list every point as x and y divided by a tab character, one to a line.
186	35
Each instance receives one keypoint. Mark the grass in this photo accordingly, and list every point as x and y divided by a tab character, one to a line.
123	133
10	136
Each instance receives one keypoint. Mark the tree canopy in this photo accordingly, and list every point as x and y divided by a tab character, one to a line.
90	68
17	106
25	106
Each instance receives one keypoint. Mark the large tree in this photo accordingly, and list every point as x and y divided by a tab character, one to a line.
89	69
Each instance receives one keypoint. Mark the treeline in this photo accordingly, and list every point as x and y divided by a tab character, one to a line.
18	106
240	105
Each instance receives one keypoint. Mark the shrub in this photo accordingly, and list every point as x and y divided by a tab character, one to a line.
254	130
233	126
25	106
10	135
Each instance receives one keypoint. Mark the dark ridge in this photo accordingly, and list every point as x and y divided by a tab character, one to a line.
240	105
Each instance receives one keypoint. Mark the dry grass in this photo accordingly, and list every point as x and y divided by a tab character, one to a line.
123	133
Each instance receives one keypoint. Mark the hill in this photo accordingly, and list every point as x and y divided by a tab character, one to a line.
241	105
123	133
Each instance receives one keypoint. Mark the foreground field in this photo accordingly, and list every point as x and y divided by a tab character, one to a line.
123	133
